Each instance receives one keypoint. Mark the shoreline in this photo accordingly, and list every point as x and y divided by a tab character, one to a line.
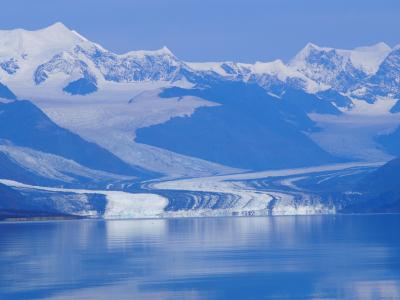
80	218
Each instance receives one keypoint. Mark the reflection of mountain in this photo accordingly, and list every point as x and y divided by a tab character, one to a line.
298	257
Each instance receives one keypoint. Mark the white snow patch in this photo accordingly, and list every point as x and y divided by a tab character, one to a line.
380	107
208	67
369	58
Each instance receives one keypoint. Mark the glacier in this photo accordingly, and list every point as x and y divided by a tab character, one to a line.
244	194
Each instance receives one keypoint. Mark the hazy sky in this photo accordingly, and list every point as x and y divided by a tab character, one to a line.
202	30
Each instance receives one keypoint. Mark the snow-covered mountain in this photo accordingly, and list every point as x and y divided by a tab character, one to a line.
385	82
56	64
59	54
274	76
62	59
97	119
337	68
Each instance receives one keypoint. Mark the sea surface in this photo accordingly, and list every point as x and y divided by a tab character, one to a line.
291	257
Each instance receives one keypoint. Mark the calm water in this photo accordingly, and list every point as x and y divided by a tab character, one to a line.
320	257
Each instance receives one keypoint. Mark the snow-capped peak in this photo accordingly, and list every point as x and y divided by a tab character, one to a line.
164	51
307	56
311	46
273	67
207	67
378	47
302	55
341	69
21	42
59	56
368	58
57	27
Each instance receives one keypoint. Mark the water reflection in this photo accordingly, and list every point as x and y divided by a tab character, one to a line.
347	257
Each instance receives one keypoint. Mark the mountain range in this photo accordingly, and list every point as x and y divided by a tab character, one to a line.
59	56
74	114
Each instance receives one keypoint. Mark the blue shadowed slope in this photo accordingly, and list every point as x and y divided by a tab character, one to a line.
395	108
20	204
6	93
82	86
390	142
385	82
384	178
249	130
25	125
9	202
307	103
379	192
11	170
335	97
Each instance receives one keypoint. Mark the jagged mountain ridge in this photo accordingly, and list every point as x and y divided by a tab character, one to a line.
57	54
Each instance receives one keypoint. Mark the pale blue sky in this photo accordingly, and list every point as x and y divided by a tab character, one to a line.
202	30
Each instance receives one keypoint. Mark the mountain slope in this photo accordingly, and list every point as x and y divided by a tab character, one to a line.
337	68
249	130
308	103
10	170
386	81
390	142
6	93
39	168
379	192
23	124
25	203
